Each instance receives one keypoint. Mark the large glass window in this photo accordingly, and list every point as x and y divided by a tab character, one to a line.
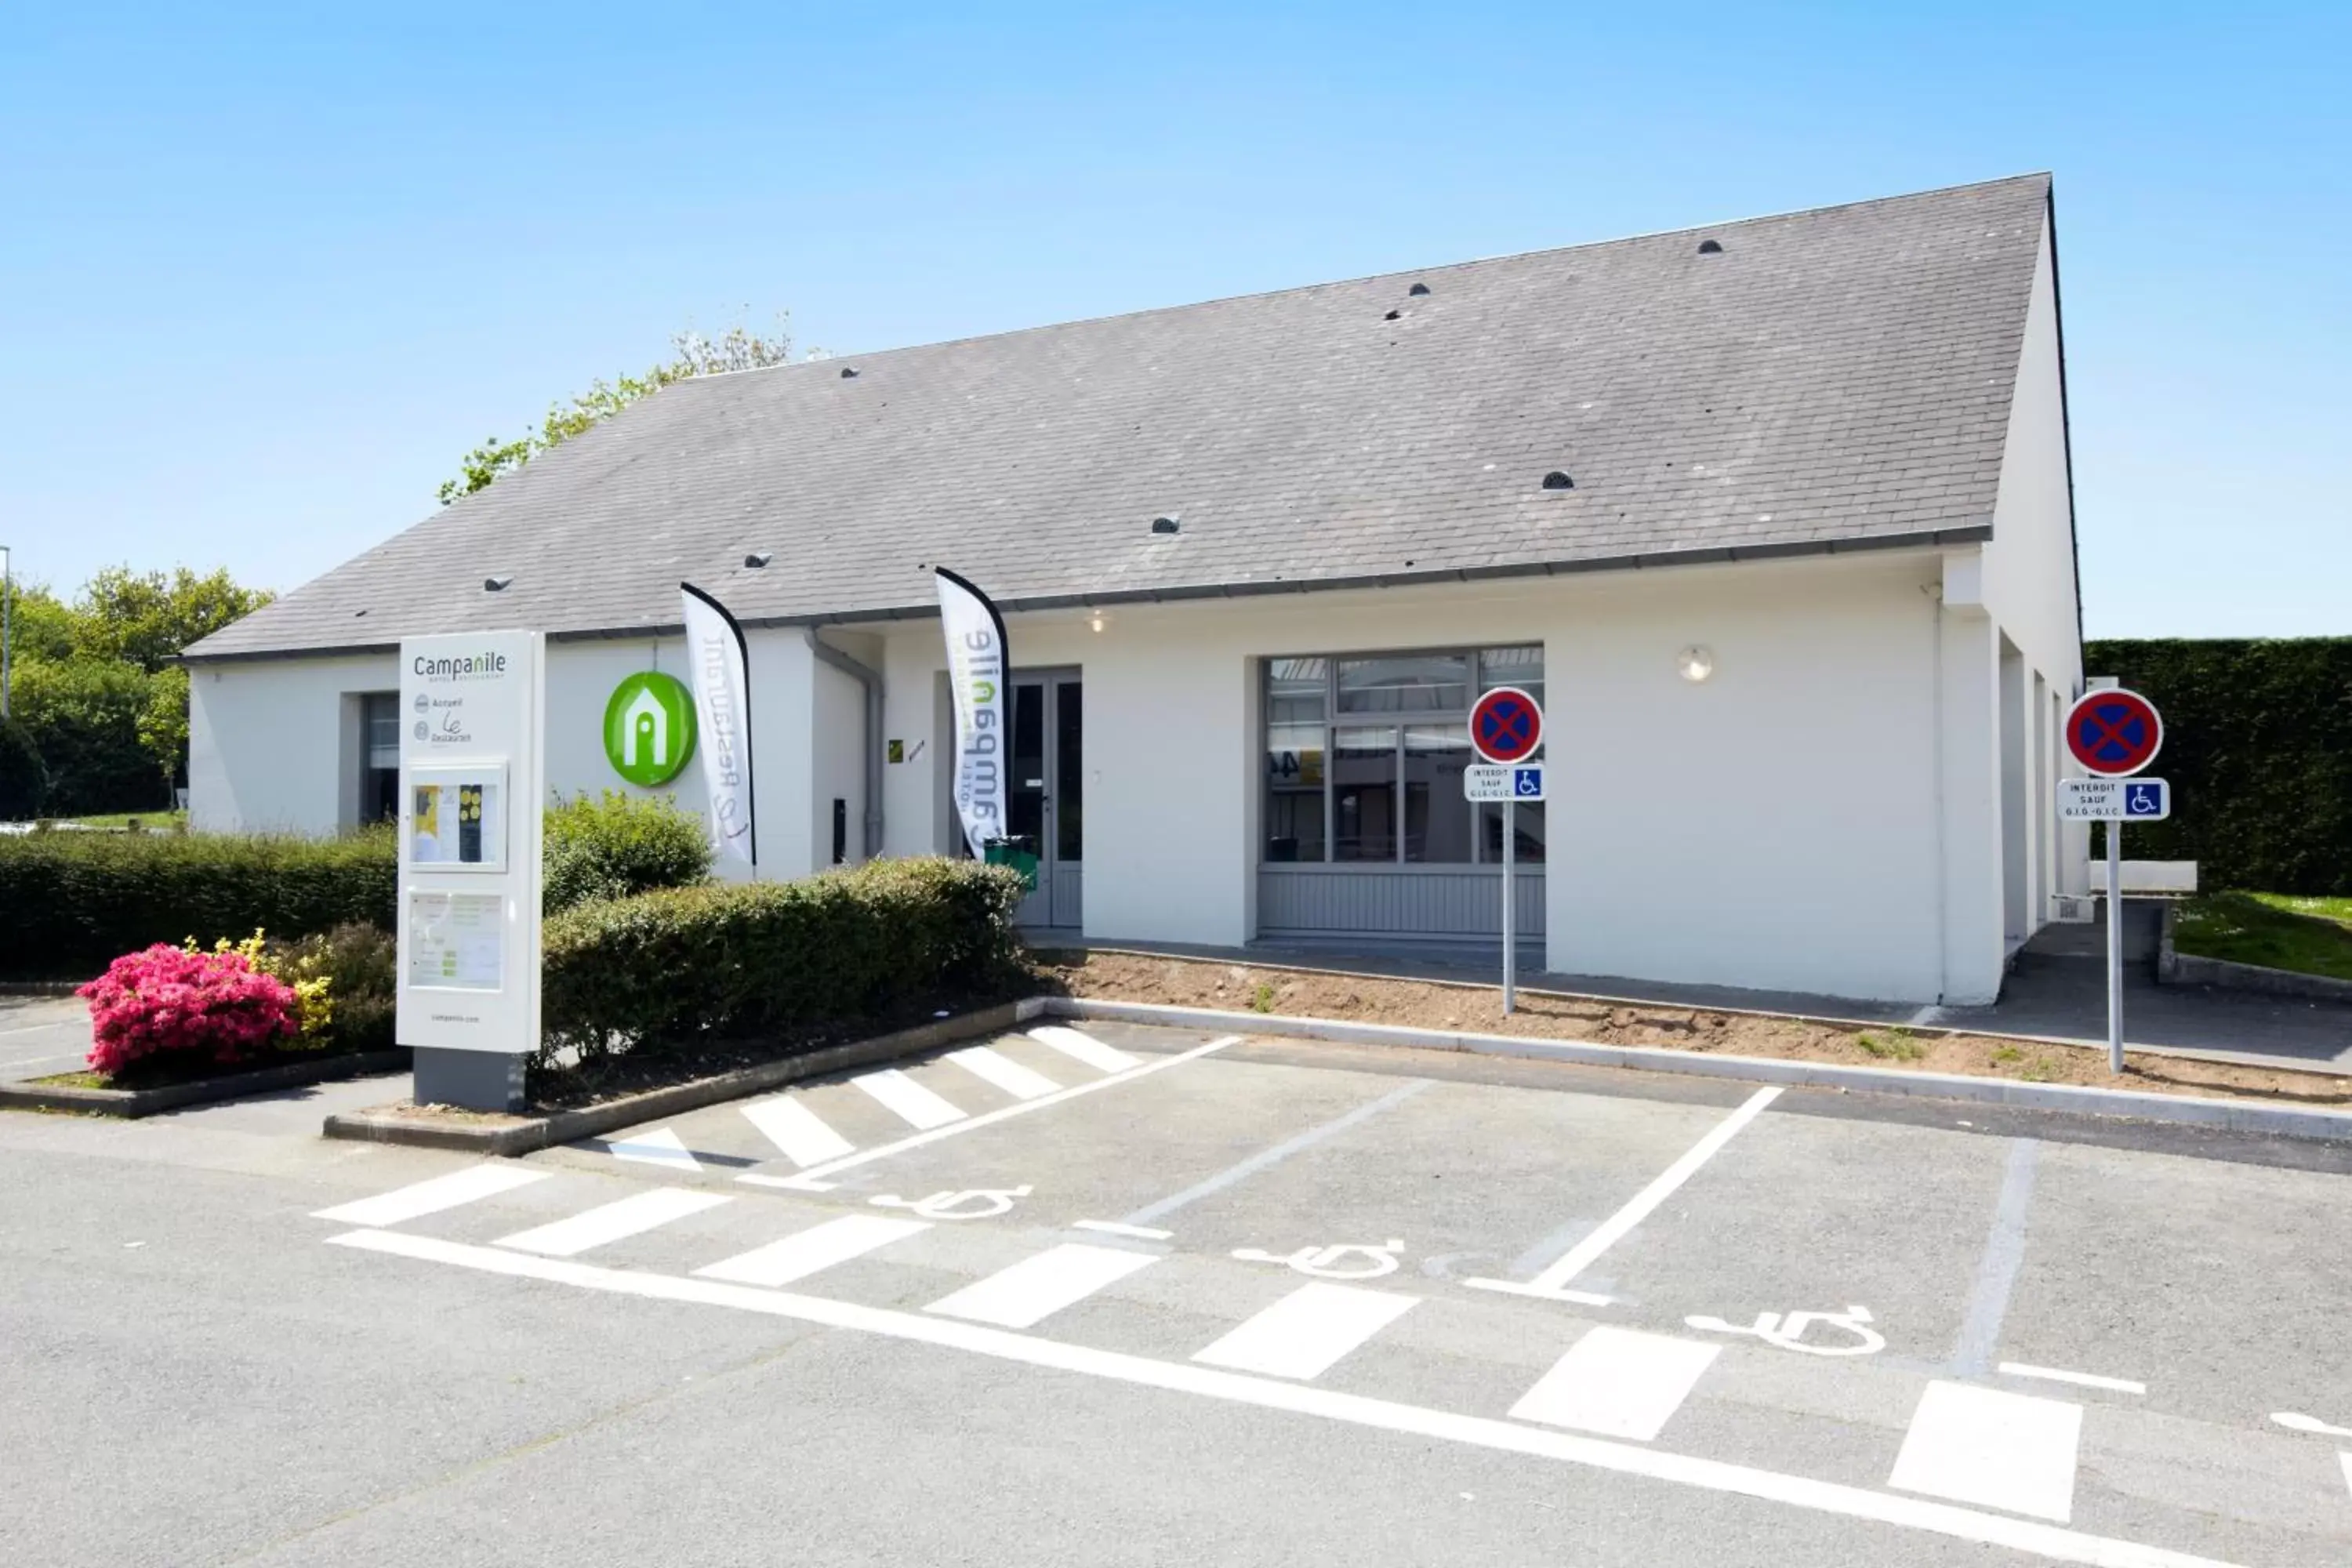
379	757
1389	793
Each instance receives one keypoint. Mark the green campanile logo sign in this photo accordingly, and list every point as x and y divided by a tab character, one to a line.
649	728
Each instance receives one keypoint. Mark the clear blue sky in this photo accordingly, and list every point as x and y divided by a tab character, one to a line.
264	276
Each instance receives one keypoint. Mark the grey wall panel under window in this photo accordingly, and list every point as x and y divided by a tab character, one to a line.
1310	900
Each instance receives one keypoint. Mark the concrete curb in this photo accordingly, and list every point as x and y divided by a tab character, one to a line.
521	1135
2237	1116
2174	967
137	1102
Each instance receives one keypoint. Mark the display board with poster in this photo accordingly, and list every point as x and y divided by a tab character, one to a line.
472	709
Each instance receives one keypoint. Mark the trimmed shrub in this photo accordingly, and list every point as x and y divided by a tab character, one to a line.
2258	748
24	779
355	967
619	845
176	1001
748	959
71	902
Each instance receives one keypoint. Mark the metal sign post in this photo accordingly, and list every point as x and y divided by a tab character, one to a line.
2114	734
1507	784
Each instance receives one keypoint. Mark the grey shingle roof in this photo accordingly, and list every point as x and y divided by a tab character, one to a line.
1840	377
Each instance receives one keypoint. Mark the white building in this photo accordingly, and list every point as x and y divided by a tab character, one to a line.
1257	557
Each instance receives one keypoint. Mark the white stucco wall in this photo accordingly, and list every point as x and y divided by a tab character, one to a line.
1775	827
272	743
270	747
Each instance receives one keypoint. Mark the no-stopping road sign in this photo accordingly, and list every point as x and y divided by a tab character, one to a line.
2113	732
1506	726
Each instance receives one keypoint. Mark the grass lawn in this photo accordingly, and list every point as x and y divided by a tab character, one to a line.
159	821
2277	931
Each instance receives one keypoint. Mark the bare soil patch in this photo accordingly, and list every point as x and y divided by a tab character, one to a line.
1432	1004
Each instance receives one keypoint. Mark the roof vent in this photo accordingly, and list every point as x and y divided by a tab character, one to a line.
495	585
1163	525
1418	288
1710	248
757	559
1557	481
849	372
1392	315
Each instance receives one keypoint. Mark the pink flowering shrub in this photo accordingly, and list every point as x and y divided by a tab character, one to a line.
172	999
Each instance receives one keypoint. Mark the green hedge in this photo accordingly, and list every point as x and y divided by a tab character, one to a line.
72	903
747	959
2258	748
618	846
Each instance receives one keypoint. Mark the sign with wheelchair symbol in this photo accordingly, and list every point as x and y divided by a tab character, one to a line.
1347	1260
981	1203
2113	800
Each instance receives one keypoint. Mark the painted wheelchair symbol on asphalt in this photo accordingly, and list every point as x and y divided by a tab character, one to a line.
978	1203
1786	1330
1326	1262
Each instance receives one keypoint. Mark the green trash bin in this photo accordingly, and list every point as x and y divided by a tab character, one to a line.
1021	854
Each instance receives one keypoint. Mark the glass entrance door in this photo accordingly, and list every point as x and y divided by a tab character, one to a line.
1048	796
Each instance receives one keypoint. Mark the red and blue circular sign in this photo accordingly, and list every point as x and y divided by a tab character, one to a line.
1506	726
2112	732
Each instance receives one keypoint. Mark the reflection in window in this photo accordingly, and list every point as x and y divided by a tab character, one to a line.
1405	683
1368	793
1436	816
1363	794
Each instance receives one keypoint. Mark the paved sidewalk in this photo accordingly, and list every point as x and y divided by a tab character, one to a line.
42	1035
2057	990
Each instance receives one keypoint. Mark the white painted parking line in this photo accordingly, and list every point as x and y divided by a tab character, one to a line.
1618	1383
2081	1379
1992	1448
797	1129
422	1198
632	1215
1113	1227
1036	1288
803	1252
908	1101
1302	1335
1553	1281
992	1065
1265	1158
2048	1542
811	1180
2294	1421
1083	1046
662	1146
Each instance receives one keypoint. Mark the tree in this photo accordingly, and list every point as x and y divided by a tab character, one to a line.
24	781
163	723
41	626
691	354
145	618
83	716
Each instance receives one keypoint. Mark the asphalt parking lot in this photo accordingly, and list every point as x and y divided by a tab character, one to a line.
2038	1335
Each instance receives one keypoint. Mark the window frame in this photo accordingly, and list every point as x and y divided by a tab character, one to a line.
1398	723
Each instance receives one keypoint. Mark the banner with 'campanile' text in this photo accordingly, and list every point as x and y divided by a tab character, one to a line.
977	661
719	668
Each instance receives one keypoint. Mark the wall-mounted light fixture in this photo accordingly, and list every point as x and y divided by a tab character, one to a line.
1095	621
1695	663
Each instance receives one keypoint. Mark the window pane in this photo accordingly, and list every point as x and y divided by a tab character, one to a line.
1025	805
1293	792
1295	689
1069	773
1405	683
1519	666
1363	794
1436	817
1529	845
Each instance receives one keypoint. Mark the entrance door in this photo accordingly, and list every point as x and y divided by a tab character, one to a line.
1048	794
